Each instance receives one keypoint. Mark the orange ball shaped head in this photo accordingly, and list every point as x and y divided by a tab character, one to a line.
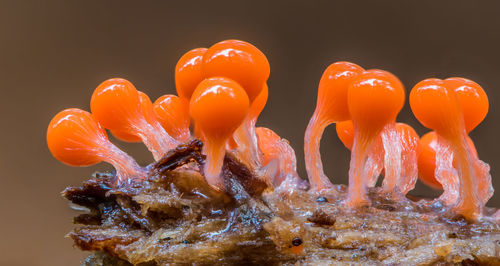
239	61
332	90
146	106
345	132
375	98
188	72
74	136
435	105
473	100
173	115
117	105
427	158
218	106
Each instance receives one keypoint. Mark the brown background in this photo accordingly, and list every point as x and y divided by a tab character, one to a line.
54	53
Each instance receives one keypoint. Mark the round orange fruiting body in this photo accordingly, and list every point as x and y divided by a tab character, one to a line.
345	132
73	136
427	159
173	115
218	106
332	91
473	100
375	98
146	106
114	102
267	144
239	61
188	72
435	105
331	107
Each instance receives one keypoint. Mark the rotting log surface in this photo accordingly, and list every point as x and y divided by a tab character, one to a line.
173	217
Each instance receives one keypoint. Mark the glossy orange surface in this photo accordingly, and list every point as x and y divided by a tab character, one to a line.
435	105
173	114
267	144
427	159
331	107
409	137
239	61
146	106
73	136
345	132
188	72
473	100
274	148
259	103
332	91
375	98
218	106
116	104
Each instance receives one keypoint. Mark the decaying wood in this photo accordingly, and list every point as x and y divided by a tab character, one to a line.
173	217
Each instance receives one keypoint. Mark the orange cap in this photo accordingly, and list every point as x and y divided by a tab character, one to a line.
74	136
239	61
188	72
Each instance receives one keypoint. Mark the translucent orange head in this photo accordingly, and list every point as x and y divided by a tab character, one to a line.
188	72
73	136
173	114
428	147
427	160
239	61
259	103
345	132
435	105
375	98
332	90
146	106
117	105
473	100
267	143
218	106
408	136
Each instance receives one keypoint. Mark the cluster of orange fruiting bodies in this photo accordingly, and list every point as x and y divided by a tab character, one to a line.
364	105
223	89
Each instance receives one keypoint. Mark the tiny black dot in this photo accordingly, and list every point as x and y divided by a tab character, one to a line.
185	242
297	241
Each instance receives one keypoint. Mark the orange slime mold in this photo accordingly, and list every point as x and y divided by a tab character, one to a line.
173	115
146	105
375	98
244	138
446	106
331	107
75	138
239	61
218	106
409	141
117	105
274	148
188	72
248	66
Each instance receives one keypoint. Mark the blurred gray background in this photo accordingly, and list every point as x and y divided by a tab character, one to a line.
54	53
